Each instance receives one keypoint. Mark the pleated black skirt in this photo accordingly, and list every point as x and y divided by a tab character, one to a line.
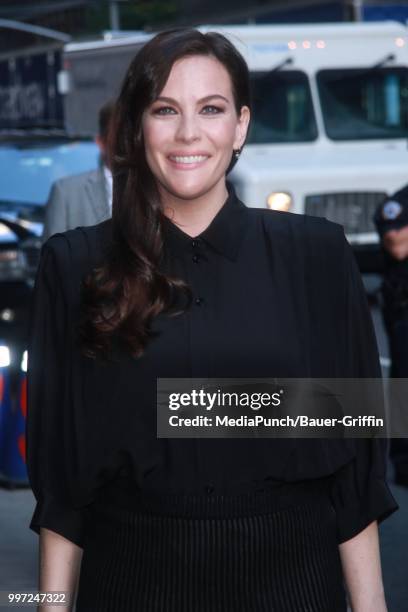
187	557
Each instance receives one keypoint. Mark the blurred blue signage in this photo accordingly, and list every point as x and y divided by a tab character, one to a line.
29	95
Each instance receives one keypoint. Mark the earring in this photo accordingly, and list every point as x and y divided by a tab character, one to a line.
237	153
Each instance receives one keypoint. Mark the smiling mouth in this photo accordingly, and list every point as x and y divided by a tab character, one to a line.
188	159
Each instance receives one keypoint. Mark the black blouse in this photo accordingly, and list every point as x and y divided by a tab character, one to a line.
275	295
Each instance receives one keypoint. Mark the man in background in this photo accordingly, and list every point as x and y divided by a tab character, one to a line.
391	219
86	198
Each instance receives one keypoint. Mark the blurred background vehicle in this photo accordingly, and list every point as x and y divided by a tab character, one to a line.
30	163
330	123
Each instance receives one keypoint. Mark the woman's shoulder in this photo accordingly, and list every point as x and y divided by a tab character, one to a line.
79	249
309	232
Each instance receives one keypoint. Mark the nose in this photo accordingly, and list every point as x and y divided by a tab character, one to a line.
188	129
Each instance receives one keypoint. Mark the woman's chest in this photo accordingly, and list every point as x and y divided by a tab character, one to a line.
262	315
246	319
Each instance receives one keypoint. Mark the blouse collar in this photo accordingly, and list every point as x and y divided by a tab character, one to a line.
224	234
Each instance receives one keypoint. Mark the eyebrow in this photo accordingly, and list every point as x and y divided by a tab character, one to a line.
205	99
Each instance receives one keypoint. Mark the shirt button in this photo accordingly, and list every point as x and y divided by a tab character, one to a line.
195	243
209	489
196	258
199	301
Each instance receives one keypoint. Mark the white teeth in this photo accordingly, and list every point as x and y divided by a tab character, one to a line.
190	159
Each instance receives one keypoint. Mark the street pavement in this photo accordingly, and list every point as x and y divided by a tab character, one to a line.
18	544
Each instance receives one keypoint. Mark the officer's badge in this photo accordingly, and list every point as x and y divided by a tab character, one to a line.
391	210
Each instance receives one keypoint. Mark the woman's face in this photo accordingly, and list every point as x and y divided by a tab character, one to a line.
192	128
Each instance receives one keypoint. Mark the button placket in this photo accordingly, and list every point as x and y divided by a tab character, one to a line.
196	246
197	257
199	263
198	274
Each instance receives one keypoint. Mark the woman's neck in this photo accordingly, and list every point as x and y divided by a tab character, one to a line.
194	216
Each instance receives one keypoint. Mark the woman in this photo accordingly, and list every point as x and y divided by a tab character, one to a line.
185	281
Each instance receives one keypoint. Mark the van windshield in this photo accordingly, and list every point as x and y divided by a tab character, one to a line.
360	104
282	108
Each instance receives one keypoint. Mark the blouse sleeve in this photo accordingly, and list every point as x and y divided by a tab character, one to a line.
47	447
359	491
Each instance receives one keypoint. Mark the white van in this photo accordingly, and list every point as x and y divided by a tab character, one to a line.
330	120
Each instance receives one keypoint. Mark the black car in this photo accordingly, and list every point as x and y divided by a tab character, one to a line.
30	163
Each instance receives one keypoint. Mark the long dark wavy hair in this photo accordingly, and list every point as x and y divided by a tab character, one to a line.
120	298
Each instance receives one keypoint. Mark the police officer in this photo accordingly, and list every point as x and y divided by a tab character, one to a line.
391	219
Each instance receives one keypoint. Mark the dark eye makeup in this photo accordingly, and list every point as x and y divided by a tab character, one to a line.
208	109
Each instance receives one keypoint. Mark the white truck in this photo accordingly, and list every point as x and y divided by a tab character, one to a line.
330	122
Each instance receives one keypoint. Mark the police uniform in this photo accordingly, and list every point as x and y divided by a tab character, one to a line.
390	215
